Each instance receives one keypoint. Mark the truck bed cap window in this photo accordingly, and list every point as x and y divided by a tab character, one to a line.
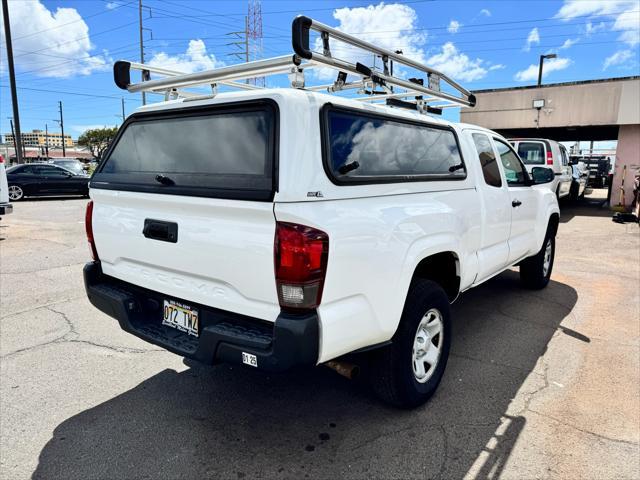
365	148
215	152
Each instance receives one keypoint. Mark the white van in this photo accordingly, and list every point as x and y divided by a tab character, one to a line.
536	152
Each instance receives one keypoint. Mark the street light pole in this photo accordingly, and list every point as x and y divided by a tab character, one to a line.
542	59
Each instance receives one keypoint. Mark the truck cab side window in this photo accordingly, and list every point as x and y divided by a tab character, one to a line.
487	159
513	168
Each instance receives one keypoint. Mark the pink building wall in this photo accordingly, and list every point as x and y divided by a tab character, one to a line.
627	153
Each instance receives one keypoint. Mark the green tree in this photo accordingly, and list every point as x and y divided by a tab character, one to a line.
97	140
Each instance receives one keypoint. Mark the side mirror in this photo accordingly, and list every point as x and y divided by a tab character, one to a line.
542	175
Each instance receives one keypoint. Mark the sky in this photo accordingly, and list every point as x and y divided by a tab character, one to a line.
64	50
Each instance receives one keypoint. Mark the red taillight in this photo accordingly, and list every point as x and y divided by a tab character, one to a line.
1	159
300	256
549	157
89	228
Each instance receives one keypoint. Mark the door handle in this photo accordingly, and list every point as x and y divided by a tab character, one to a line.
516	203
160	230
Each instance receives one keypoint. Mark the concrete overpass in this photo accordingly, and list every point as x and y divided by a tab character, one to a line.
607	109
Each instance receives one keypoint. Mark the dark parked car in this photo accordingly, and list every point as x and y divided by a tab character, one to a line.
40	179
75	166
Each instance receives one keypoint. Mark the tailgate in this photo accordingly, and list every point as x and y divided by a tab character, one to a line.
183	205
223	256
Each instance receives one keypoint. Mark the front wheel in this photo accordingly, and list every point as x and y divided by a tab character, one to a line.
535	271
15	193
407	372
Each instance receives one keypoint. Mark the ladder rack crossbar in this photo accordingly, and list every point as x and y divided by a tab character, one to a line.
378	85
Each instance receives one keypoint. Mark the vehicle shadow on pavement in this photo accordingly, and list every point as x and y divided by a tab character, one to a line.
589	206
233	422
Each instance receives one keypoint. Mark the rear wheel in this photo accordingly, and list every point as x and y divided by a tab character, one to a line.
535	271
15	193
407	372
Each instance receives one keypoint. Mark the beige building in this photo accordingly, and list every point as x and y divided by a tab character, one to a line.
607	109
38	138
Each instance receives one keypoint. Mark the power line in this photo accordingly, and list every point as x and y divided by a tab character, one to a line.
65	92
81	19
79	38
121	49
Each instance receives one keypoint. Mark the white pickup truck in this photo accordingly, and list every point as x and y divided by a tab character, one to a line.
285	227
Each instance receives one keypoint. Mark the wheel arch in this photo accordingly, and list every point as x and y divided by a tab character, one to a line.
444	269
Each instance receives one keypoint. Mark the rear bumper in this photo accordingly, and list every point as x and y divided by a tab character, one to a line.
6	208
291	341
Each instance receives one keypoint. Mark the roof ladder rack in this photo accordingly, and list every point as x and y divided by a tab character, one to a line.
373	84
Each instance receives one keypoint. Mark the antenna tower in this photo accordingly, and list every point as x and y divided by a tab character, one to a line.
254	35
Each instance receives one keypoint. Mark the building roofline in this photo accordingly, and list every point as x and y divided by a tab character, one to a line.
565	84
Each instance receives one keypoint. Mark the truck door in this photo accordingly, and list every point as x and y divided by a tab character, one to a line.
493	254
522	203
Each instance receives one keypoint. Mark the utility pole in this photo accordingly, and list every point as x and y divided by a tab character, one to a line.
12	80
46	139
144	97
246	40
241	43
64	151
15	143
123	115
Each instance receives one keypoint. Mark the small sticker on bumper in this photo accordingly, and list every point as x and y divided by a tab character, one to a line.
249	359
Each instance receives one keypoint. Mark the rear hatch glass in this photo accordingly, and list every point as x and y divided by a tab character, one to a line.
226	151
531	153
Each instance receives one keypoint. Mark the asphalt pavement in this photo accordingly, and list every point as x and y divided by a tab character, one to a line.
541	384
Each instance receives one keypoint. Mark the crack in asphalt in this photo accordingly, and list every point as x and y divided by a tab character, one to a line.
584	430
491	362
38	270
530	396
46	305
71	330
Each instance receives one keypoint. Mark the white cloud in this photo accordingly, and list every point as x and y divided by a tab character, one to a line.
569	42
194	59
454	26
551	65
485	12
618	58
396	27
112	5
51	44
533	38
457	65
497	67
591	28
629	23
625	12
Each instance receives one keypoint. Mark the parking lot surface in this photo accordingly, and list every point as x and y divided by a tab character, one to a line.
540	384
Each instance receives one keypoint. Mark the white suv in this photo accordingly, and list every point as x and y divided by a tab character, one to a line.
536	152
284	227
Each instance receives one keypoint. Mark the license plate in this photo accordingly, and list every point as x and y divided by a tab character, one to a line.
181	317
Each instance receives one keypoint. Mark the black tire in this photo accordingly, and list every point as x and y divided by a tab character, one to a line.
532	269
392	373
